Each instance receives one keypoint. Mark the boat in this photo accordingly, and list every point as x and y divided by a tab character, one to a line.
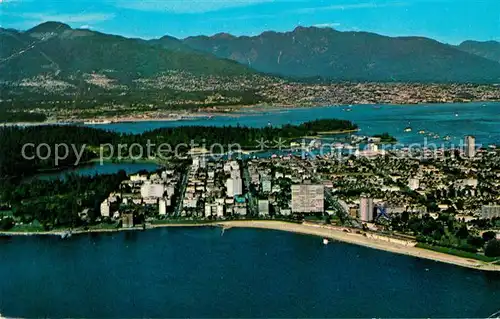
325	241
421	132
408	129
447	138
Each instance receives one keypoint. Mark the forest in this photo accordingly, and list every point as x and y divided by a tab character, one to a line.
57	203
12	139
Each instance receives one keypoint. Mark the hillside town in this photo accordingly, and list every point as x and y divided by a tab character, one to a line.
185	95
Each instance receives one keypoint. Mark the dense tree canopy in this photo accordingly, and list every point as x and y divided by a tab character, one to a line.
492	248
12	140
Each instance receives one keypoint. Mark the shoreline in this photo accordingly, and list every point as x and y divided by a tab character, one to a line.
330	232
246	110
361	240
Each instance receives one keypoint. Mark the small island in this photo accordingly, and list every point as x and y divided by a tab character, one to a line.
385	138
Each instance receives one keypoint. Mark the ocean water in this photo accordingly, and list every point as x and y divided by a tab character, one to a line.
196	272
453	120
437	120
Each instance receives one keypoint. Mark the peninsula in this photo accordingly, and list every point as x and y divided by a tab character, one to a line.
383	199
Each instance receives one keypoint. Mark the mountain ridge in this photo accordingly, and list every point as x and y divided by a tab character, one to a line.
487	49
57	49
303	53
353	56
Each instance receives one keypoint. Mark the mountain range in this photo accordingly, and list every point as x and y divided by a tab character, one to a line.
304	53
55	48
354	56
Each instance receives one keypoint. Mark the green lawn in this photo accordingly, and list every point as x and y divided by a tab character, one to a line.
456	252
27	228
104	226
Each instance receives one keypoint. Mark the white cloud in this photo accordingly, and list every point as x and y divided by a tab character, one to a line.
186	6
245	17
327	25
350	6
69	18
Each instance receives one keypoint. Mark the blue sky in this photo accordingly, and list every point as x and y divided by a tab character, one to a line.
450	21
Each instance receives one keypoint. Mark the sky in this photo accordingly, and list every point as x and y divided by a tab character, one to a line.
449	21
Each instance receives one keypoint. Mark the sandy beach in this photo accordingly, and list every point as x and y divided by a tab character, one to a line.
361	240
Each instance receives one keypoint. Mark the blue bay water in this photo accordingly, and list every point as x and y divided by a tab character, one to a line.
187	272
250	273
444	120
453	120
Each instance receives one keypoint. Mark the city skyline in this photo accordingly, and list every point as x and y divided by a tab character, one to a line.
443	20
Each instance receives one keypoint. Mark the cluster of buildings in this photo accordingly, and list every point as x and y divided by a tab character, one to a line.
157	191
284	187
271	90
289	93
364	188
214	190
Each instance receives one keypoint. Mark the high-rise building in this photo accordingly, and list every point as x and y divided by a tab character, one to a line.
470	146
263	207
162	207
105	208
220	211
488	212
234	186
209	209
308	198
152	190
266	185
366	209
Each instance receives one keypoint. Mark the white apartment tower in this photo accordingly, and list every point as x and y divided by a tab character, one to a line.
234	186
470	146
366	209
